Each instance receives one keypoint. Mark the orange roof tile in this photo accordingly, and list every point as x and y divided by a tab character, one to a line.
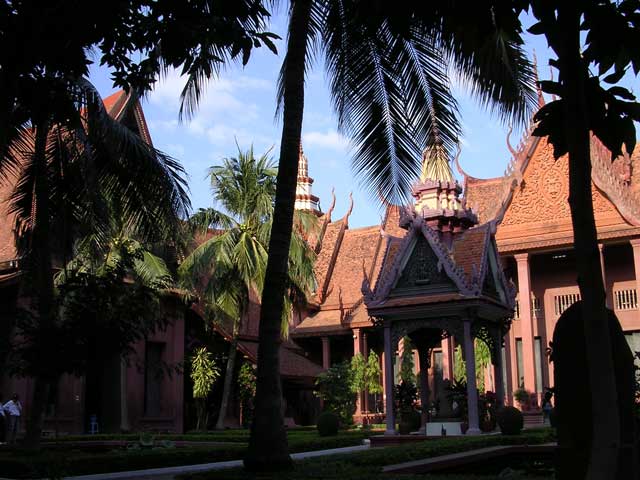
292	364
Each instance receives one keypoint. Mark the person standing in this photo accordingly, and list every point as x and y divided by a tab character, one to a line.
12	412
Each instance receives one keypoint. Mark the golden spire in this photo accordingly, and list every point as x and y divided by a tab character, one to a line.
435	164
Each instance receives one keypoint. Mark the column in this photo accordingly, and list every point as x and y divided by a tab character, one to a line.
635	244
498	369
472	390
356	351
447	358
424	354
326	353
389	383
526	321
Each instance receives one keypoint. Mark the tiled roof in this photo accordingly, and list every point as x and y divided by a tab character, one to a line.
469	250
356	252
7	220
292	364
485	196
327	256
113	104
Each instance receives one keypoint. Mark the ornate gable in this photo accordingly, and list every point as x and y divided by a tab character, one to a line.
422	272
544	190
539	212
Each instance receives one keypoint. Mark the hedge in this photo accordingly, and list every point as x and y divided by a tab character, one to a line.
75	462
367	464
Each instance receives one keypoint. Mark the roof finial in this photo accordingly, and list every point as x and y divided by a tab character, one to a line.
456	160
535	72
511	149
435	163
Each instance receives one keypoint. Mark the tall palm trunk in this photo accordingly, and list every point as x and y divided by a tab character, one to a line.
604	401
268	449
226	389
40	271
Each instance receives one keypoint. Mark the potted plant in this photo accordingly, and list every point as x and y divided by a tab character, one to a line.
522	397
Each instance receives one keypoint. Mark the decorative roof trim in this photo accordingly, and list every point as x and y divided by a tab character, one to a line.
619	194
390	279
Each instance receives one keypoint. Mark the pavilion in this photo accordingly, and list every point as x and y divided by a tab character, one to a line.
441	279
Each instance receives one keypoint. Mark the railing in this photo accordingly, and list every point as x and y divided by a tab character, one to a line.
537	310
562	302
625	299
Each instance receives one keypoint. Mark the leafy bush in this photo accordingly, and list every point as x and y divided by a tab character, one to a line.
522	396
328	423
410	421
334	388
510	420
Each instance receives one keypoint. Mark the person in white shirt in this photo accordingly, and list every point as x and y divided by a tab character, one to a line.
13	412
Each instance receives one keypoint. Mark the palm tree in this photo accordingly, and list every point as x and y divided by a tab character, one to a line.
70	159
387	65
585	108
228	266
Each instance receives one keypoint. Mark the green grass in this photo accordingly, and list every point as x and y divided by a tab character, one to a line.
367	465
74	460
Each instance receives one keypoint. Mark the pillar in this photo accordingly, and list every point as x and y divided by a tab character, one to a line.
424	360
447	358
498	369
389	383
526	321
635	244
326	353
472	390
356	351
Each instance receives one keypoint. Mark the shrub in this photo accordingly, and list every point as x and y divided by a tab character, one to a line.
522	396
334	388
510	420
328	424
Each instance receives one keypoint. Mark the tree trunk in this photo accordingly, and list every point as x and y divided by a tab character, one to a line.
40	271
604	400
268	448
226	389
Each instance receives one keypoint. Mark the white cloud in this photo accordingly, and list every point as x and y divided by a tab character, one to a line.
163	125
227	106
175	149
329	139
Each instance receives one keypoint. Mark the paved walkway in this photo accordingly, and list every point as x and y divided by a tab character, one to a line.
170	472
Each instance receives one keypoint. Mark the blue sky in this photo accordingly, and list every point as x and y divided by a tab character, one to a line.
240	106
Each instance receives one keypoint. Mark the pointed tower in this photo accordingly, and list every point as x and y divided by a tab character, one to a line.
305	199
437	196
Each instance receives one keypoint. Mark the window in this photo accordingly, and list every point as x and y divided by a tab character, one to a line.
153	379
519	362
537	354
562	302
504	368
625	299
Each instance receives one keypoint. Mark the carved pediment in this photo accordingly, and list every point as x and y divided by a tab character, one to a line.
542	196
422	272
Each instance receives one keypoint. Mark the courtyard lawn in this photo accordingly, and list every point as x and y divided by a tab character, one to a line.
367	465
79	455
